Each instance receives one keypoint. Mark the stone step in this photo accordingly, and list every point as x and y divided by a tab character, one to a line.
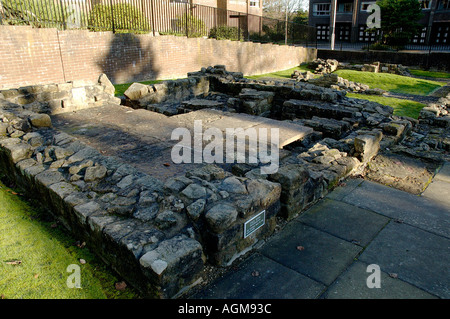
307	109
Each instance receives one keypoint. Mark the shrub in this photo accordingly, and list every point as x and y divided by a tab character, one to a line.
126	17
380	46
195	26
276	32
38	13
226	33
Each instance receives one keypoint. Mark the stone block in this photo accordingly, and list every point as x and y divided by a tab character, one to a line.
367	146
173	264
136	91
220	217
106	83
19	151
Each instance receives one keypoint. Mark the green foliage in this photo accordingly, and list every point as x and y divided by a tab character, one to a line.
226	33
380	46
300	17
37	13
126	18
274	32
399	20
194	27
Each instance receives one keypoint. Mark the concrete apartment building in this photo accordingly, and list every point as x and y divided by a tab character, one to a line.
351	17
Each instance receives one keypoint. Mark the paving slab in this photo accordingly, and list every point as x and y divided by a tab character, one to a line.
344	188
352	284
262	278
416	256
403	172
439	191
311	252
411	209
287	132
444	173
345	221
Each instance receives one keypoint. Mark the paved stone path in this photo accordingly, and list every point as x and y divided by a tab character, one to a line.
325	252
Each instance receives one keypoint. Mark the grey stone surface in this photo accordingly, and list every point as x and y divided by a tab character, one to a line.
411	209
41	120
259	277
322	258
221	216
416	256
438	190
444	173
344	221
352	284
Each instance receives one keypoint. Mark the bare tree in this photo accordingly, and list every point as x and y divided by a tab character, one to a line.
282	10
278	9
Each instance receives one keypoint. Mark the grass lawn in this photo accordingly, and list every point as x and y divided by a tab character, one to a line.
430	74
284	74
401	107
35	253
391	82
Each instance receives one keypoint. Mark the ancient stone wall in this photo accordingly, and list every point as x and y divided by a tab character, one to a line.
158	234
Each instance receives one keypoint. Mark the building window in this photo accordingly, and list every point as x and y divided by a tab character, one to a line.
364	36
323	32
254	3
421	37
441	34
365	6
425	4
444	5
345	7
343	32
321	9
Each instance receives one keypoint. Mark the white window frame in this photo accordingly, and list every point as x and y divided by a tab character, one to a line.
322	11
254	3
342	5
442	7
430	2
367	4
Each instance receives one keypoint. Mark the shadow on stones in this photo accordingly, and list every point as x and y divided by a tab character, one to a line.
128	60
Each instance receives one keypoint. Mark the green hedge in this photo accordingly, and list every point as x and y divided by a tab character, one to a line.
127	18
195	26
226	33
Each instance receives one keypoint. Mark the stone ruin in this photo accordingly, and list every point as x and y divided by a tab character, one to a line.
160	233
327	66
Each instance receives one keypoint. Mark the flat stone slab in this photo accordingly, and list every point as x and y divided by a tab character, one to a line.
287	132
259	277
408	208
142	138
444	173
402	172
414	255
439	191
311	252
352	284
343	220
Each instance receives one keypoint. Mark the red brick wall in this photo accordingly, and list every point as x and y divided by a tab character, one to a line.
28	56
31	56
